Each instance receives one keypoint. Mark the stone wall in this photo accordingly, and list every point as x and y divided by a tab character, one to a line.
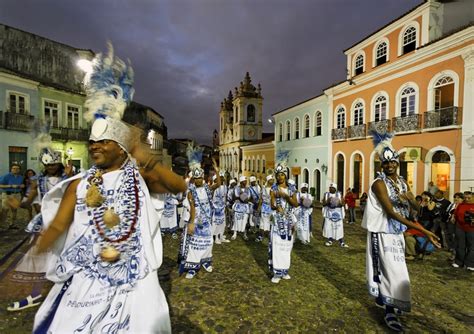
41	59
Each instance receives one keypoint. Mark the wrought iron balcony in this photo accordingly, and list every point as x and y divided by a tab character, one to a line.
20	122
407	123
442	117
357	131
339	134
382	126
69	134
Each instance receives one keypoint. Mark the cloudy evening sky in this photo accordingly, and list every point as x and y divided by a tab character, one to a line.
187	54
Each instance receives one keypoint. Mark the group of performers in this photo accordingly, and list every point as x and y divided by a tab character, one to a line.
98	237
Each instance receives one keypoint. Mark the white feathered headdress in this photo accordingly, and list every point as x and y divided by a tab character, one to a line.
43	144
383	146
282	161
194	155
109	90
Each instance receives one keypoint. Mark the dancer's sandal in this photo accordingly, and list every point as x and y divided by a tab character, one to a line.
25	303
393	323
378	303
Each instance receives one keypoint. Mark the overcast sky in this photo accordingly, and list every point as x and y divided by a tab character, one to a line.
188	54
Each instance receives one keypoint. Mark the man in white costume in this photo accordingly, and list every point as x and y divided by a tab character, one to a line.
169	217
265	208
255	191
241	208
303	214
219	198
230	203
196	247
283	200
333	213
386	218
102	225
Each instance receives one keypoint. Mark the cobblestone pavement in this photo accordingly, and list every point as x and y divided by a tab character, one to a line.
327	292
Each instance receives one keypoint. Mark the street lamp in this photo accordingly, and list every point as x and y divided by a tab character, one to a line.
324	168
270	120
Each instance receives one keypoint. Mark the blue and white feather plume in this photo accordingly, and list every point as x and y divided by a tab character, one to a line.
383	146
109	86
194	154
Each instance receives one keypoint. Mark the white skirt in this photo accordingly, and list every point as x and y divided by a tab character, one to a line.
333	229
387	266
87	306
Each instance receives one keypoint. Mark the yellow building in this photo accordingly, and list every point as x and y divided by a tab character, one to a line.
258	159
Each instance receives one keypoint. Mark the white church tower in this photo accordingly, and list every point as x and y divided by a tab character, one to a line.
240	123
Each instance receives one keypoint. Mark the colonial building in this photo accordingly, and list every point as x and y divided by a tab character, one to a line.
303	129
240	123
415	78
39	81
258	158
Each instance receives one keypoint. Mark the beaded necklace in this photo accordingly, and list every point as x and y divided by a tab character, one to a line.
112	228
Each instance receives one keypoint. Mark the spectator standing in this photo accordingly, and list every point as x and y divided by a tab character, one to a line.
464	215
349	199
440	216
426	212
451	222
11	185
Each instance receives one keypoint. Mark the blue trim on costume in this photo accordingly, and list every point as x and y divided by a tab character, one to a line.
43	327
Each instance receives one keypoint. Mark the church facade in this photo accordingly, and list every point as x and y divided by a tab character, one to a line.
240	124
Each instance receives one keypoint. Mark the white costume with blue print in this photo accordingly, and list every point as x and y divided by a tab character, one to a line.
387	273
281	234
93	296
196	249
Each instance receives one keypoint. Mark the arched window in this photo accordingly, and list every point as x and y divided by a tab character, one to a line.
341	118
358	113
236	114
306	126
359	65
409	40
407	102
319	124
305	176
297	129
280	132
380	108
381	54
263	165
250	113
288	130
444	93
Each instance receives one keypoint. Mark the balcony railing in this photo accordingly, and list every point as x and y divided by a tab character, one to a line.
20	122
442	117
382	126
407	123
357	131
69	134
338	134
